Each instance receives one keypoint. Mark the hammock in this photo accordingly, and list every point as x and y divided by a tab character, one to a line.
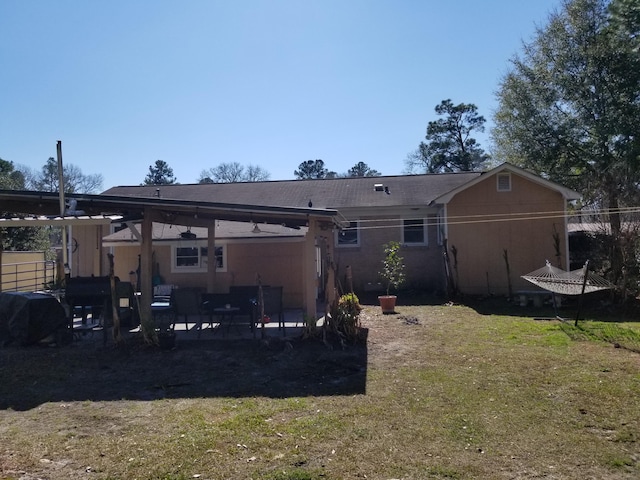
557	280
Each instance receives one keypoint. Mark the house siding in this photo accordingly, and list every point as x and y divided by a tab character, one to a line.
479	267
278	264
86	255
481	243
424	267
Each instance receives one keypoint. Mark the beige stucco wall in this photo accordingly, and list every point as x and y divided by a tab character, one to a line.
481	244
278	264
424	266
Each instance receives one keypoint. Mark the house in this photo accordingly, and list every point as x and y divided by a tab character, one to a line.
95	216
494	226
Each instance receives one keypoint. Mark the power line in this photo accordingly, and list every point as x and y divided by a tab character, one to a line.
488	218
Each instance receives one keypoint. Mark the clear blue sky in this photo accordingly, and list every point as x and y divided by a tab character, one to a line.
123	83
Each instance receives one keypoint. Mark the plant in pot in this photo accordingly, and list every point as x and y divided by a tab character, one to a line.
393	274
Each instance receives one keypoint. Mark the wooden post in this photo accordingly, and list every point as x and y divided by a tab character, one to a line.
115	301
65	239
310	280
212	262
260	308
146	286
585	272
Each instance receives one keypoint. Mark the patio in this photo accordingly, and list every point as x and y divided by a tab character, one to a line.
231	329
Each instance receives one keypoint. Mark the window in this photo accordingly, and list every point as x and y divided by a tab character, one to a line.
504	182
414	232
349	236
195	257
188	257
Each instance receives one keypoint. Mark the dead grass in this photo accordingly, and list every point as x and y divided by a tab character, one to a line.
436	392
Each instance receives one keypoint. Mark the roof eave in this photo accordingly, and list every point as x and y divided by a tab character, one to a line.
566	193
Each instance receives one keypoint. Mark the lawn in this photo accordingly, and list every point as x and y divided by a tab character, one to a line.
433	391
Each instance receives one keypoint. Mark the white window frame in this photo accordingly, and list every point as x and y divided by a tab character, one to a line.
349	245
425	237
202	260
503	185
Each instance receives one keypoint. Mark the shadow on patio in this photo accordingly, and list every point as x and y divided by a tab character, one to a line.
214	365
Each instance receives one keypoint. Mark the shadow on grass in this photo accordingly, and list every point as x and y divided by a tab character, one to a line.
595	306
86	370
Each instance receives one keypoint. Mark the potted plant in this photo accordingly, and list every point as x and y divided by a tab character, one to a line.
393	274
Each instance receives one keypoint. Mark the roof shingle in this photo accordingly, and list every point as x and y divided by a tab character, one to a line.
333	193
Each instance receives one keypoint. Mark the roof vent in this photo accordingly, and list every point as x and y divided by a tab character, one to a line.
378	187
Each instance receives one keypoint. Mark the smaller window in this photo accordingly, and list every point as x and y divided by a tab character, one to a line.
504	182
194	258
220	264
414	232
349	236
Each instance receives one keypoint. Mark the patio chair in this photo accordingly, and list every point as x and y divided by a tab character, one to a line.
163	292
187	302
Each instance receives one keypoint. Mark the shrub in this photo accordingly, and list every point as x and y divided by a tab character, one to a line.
392	266
345	316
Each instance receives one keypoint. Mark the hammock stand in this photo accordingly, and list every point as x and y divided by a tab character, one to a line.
575	282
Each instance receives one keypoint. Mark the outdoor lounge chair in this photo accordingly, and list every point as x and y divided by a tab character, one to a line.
187	302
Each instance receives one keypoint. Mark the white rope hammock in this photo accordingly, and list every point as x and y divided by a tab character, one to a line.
567	283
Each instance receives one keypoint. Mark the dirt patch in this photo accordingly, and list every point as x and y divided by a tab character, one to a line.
277	367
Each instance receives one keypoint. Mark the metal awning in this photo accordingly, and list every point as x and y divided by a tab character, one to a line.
46	205
58	220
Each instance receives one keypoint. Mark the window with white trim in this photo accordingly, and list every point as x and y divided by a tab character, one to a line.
414	231
194	257
503	182
349	236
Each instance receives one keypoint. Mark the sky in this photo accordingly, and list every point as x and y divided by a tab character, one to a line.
272	83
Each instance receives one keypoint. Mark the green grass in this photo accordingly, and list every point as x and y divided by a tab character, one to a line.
455	395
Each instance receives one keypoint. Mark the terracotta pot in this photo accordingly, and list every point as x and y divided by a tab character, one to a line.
388	303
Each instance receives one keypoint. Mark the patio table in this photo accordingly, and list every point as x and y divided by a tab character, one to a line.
226	314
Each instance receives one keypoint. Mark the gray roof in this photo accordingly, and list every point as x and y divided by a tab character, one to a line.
334	193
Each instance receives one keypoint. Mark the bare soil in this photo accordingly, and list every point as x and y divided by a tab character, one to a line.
221	367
